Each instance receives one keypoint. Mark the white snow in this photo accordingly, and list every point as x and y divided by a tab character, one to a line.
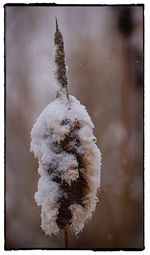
49	129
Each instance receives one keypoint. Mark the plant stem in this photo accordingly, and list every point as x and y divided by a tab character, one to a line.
66	236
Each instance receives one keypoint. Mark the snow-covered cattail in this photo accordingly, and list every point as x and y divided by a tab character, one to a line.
69	161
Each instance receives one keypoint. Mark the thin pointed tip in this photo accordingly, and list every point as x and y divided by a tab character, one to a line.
56	24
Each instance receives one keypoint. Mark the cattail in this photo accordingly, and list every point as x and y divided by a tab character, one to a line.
69	160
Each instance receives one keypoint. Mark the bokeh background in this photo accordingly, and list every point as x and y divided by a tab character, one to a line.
104	55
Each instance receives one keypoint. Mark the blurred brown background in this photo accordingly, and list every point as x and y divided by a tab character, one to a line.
104	55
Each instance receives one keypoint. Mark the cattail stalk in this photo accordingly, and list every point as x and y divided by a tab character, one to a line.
66	236
69	160
62	79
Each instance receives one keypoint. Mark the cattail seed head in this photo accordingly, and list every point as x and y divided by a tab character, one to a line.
69	161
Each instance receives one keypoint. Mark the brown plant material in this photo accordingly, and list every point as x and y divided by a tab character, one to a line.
66	236
77	190
69	160
60	60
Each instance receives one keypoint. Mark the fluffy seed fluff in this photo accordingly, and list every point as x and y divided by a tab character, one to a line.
69	165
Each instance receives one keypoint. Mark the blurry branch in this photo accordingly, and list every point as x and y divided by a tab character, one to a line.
126	28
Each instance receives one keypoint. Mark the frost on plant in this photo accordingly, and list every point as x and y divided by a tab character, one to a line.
69	161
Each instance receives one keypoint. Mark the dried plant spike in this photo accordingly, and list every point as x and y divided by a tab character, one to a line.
60	71
69	160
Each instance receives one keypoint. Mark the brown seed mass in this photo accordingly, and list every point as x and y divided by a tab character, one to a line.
76	191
